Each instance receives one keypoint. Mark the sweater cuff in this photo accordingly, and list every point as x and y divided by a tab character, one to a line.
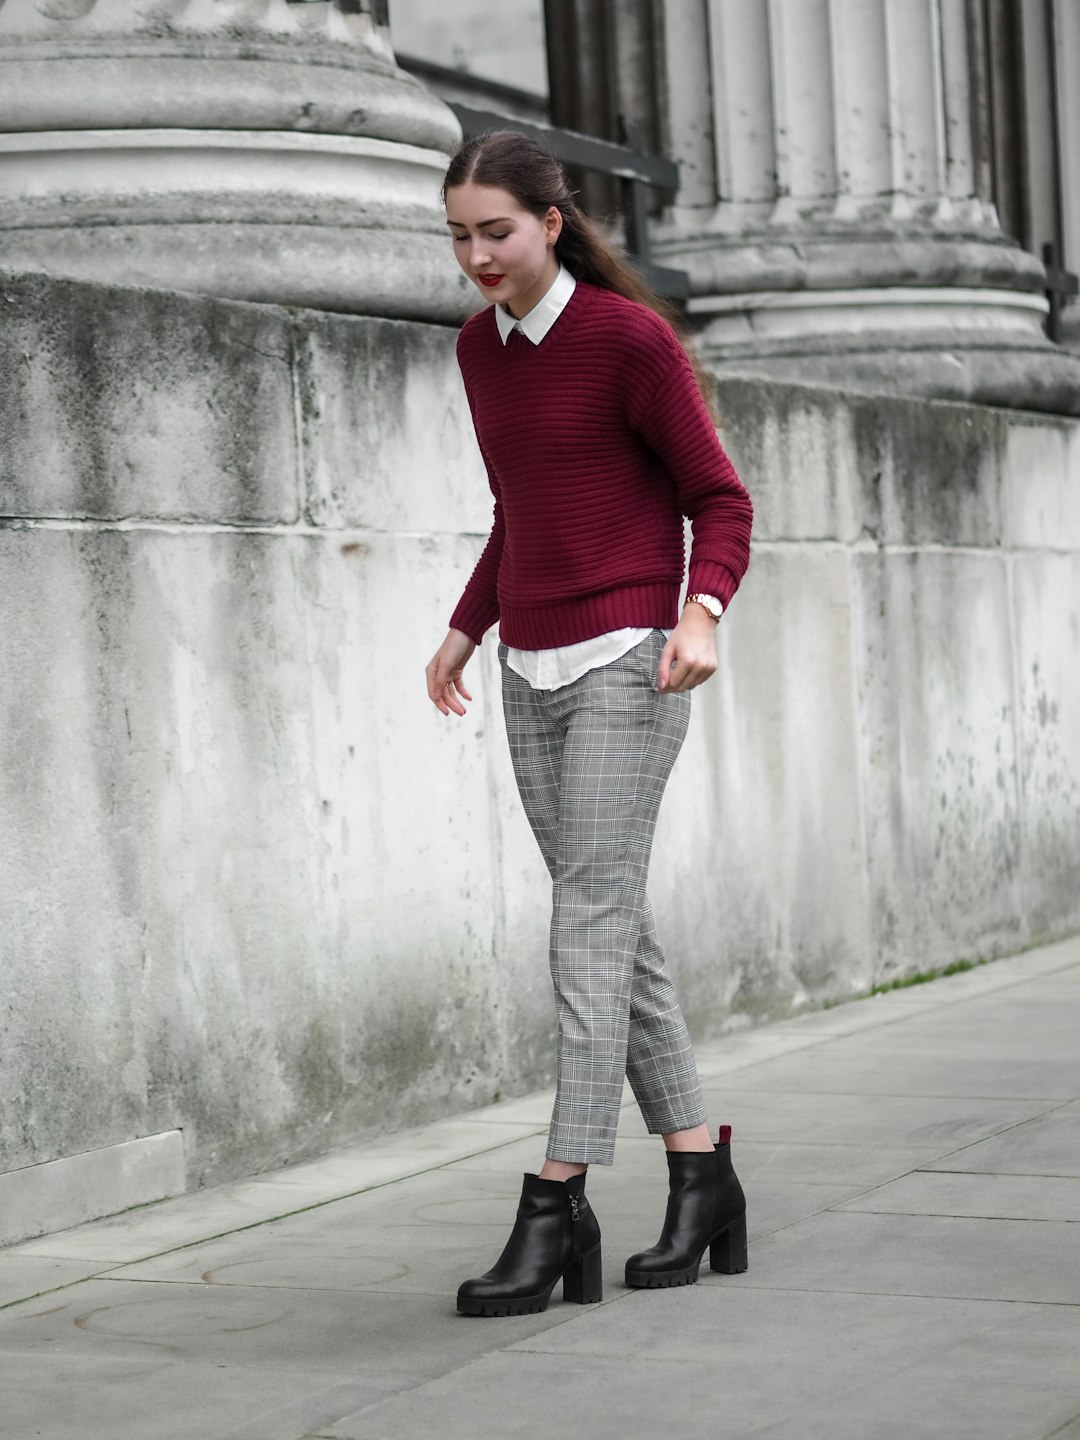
707	577
473	617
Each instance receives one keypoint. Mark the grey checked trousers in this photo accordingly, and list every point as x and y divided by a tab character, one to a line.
591	761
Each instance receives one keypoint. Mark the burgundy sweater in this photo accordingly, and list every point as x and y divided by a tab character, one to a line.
597	442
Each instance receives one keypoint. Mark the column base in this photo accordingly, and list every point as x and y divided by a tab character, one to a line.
949	311
1018	375
344	223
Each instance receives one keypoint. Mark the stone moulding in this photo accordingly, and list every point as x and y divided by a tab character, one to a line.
793	259
340	222
248	149
267	84
964	309
733	318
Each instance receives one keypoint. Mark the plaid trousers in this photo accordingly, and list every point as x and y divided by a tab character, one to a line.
591	762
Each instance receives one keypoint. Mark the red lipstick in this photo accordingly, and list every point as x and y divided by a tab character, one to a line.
490	280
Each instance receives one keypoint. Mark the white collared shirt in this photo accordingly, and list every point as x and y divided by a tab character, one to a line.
554	668
544	313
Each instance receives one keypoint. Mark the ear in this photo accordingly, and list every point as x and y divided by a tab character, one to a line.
553	223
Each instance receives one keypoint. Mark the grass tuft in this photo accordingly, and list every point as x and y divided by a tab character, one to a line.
904	982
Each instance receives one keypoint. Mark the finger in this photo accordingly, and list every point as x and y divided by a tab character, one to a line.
450	698
461	690
436	687
686	676
663	674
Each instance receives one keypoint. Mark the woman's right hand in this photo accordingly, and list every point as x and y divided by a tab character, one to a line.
444	686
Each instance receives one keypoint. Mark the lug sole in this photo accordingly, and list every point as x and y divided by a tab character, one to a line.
662	1279
727	1256
490	1309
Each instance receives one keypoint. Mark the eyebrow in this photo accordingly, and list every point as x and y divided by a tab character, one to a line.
499	220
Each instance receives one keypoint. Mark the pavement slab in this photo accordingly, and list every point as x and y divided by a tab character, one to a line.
1048	1144
913	1184
26	1275
947	1255
99	1398
988	1196
735	1363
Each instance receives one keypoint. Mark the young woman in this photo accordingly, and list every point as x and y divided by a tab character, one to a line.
591	421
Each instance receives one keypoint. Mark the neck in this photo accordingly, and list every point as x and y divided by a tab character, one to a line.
521	307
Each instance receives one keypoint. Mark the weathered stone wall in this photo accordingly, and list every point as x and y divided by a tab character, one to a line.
254	889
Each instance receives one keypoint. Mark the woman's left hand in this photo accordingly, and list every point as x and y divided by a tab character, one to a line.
689	657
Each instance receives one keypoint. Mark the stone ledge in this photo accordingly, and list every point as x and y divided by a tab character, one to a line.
39	1199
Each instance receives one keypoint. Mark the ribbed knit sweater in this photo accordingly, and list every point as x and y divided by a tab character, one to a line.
597	442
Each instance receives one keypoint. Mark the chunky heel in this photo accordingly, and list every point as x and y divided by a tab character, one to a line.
706	1210
555	1234
727	1252
583	1281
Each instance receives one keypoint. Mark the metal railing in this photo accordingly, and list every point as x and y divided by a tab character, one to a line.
1061	286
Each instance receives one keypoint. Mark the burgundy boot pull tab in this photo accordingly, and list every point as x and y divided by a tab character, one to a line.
725	1135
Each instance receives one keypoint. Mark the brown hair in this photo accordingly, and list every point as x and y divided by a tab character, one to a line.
512	161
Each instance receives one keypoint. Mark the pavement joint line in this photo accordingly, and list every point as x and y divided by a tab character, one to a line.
1053	1100
908	1295
1062	1428
579	1313
1005	1129
994	1174
201	1284
843	1207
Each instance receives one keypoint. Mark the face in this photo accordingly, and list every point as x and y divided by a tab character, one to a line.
507	252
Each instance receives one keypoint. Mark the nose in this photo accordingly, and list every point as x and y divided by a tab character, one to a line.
481	255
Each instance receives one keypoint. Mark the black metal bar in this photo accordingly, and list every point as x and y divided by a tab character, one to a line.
635	204
672	284
494	91
575	149
1061	284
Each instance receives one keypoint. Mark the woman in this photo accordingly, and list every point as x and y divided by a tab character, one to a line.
597	440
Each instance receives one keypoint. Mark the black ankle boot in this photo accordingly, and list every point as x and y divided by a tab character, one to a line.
555	1234
706	1207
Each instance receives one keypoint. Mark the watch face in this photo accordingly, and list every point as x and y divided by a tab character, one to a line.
711	604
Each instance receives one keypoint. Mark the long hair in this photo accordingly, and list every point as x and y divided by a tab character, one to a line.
509	160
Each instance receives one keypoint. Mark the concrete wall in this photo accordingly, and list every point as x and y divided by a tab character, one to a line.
255	890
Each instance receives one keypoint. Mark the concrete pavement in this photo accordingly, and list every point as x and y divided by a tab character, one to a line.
912	1167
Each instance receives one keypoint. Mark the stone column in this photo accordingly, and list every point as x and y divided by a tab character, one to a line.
835	214
1067	92
252	149
601	61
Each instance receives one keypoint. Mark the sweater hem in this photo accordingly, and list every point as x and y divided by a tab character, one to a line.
653	605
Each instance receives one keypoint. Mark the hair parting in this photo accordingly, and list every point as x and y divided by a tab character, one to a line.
512	161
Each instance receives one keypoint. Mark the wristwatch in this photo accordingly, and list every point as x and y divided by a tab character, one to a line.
710	602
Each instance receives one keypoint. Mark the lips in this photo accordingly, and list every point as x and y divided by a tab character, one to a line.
490	280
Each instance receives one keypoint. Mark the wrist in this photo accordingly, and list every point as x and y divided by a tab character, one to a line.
707	603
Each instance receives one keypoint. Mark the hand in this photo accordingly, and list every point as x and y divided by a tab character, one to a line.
444	687
689	657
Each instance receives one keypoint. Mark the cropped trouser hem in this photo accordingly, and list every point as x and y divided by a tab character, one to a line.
591	762
587	1154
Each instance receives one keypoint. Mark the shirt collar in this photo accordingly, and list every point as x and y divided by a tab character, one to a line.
544	313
